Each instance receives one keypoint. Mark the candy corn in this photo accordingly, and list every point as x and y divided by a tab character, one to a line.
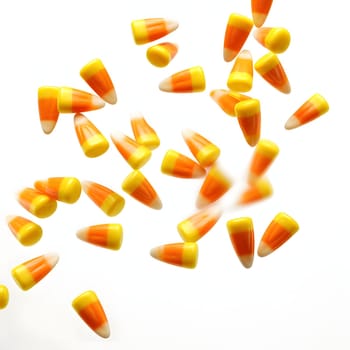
270	68
241	76
188	80
178	165
160	55
89	308
237	31
249	119
47	104
26	231
214	186
313	108
178	254
143	132
241	234
264	154
37	203
4	296
150	29
276	40
198	224
281	228
107	200
71	100
139	188
202	149
136	155
91	140
258	190
64	189
29	273
108	236
260	10
96	75
227	100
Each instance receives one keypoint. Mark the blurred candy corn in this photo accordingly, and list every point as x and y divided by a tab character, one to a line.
47	104
276	40
257	191
26	231
241	76
160	55
260	10
4	296
227	100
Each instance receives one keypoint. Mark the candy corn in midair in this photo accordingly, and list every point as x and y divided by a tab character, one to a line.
237	30
139	188
4	296
257	191
29	273
107	200
241	234
160	55
276	40
63	189
26	231
150	29
281	228
178	254
47	104
241	76
108	236
313	108
178	165
188	80
91	140
135	154
89	308
97	77
260	10
70	100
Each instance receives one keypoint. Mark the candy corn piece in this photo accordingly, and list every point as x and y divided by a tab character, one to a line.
202	149
107	200
47	104
249	119
281	228
257	191
188	80
160	55
227	100
260	10
26	231
108	236
143	132
91	140
198	224
139	188
276	40
29	273
136	155
237	31
241	234
270	68
89	308
178	165
151	29
63	189
241	76
214	186
178	254
71	100
313	108
97	77
264	154
4	296
37	203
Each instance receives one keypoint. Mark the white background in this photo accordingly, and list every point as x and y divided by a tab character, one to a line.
296	298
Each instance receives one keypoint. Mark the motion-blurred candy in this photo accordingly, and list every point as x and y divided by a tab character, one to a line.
91	140
89	308
241	76
260	10
276	40
313	108
227	100
257	191
47	104
4	296
26	231
29	273
178	254
97	77
188	80
108	236
160	55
